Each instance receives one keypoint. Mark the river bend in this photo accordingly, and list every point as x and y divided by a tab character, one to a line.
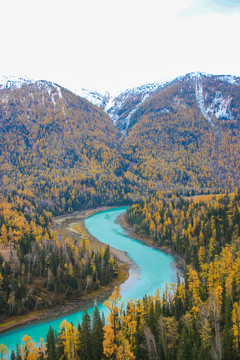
152	270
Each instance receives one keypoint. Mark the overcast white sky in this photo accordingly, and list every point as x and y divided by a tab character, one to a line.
117	44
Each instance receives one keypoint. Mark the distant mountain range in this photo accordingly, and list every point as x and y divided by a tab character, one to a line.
181	134
123	106
191	125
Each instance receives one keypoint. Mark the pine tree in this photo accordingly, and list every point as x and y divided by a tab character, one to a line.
185	346
60	345
13	356
86	348
227	333
18	355
51	345
152	319
97	335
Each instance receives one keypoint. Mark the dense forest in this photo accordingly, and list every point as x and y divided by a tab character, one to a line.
59	148
59	154
195	227
197	319
68	154
172	143
37	270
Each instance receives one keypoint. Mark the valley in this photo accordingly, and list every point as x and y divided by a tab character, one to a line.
170	153
102	226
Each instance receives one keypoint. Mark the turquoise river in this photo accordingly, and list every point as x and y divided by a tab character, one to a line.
152	270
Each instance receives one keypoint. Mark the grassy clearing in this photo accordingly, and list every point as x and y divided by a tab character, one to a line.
78	228
21	319
201	198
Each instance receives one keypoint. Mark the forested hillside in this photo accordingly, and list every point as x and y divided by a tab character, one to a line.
68	154
59	148
36	269
186	134
60	153
197	319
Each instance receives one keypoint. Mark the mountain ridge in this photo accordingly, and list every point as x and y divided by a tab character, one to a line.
181	134
117	106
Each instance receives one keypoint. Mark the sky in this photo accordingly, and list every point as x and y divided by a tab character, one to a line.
112	45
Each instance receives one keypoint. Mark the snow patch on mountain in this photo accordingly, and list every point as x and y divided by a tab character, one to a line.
122	107
200	100
7	82
220	107
53	101
59	92
142	90
127	120
197	75
118	107
14	82
233	80
49	87
94	97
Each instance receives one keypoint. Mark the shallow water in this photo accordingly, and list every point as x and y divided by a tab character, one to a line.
153	269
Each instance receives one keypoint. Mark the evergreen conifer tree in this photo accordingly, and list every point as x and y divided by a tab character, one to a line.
13	356
51	345
97	335
86	338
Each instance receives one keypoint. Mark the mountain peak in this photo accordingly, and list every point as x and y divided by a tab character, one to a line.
98	99
231	79
197	74
13	81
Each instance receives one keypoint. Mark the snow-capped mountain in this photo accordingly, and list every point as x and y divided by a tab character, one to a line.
215	95
7	82
186	130
94	97
125	105
190	123
40	90
121	107
16	82
35	114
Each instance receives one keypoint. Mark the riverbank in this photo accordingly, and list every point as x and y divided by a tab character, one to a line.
70	305
72	226
180	262
77	227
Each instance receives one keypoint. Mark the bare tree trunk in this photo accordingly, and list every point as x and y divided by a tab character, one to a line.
150	344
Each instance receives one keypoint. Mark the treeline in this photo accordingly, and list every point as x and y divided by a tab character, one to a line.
37	270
